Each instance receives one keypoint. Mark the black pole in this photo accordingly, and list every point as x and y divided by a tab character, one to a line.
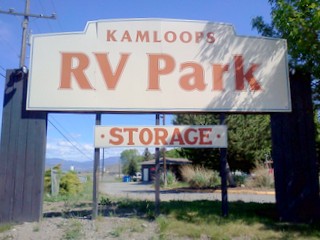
157	179
95	197
102	167
223	173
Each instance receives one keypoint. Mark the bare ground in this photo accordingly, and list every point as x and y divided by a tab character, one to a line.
60	223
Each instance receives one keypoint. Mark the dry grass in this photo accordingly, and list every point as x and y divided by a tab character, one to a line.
199	177
261	178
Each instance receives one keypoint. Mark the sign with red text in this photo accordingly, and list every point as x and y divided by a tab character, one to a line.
160	136
157	65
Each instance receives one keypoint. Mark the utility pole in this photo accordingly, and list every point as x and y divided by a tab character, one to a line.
26	14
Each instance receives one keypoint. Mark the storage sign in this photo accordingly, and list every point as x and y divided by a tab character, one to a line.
159	136
157	65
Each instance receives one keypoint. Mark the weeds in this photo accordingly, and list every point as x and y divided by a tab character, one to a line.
117	232
261	178
171	179
199	177
5	227
74	230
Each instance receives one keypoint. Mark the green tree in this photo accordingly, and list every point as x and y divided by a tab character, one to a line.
70	184
130	159
298	21
174	153
249	140
147	155
206	157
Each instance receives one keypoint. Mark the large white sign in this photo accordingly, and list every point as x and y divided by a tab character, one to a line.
156	65
158	136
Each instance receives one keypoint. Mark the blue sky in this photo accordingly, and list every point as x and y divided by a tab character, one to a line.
72	16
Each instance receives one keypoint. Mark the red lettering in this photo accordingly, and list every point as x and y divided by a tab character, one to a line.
116	133
161	135
156	37
68	69
185	37
111	79
194	80
142	36
176	137
169	38
210	37
204	135
241	76
199	36
126	37
110	36
156	69
130	131
142	136
187	136
218	71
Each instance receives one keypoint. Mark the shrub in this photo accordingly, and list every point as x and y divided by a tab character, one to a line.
171	178
239	177
261	177
199	177
70	184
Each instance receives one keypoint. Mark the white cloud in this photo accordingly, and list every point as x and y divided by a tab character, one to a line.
59	148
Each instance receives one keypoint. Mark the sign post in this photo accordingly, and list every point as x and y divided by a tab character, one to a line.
157	180
95	197
223	173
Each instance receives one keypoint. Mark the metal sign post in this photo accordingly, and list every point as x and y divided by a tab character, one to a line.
157	180
95	197
223	173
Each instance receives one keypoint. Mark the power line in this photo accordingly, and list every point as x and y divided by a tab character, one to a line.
41	5
55	10
65	137
61	127
14	49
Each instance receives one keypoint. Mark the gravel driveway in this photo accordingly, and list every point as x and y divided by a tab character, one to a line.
137	190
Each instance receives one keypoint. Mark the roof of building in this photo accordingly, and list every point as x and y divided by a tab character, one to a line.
169	161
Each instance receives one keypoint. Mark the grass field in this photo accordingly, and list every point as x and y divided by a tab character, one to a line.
202	220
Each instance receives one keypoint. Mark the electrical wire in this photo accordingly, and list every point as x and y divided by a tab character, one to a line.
48	23
65	137
61	127
57	19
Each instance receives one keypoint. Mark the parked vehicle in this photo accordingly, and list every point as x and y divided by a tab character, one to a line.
137	177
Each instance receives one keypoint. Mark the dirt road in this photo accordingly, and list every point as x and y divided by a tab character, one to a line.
147	192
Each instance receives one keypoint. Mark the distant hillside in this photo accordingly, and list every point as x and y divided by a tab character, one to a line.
79	166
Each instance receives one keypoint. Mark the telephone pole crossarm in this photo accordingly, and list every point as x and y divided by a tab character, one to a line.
12	12
26	14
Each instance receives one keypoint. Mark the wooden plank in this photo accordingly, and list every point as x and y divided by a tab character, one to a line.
4	148
36	154
294	156
11	113
23	142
